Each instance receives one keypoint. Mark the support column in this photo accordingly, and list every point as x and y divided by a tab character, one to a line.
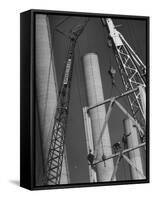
135	155
94	88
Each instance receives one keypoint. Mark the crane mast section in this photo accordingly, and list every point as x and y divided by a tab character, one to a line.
56	150
132	71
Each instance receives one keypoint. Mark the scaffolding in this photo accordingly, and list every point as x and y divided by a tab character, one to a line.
121	153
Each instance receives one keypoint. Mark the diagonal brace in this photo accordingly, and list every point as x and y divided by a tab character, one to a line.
105	123
116	167
132	165
128	115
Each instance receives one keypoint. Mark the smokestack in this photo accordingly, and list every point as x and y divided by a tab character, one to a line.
135	155
95	94
46	89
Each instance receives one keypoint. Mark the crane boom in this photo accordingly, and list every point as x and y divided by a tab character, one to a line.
132	71
56	150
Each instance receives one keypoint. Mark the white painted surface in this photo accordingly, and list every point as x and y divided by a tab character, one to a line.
89	143
143	99
97	115
135	155
46	87
45	81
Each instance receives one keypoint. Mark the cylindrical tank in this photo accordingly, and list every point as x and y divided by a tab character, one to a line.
46	88
132	141
95	95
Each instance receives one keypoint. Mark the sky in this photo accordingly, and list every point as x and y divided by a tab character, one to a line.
93	39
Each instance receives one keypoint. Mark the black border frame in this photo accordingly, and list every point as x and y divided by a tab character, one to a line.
27	99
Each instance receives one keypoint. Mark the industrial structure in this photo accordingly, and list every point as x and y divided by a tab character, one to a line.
95	95
46	97
103	157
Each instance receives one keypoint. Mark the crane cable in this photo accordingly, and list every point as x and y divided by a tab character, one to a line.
78	73
115	86
138	46
124	103
118	89
79	87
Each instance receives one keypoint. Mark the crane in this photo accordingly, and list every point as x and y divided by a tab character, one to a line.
132	71
56	149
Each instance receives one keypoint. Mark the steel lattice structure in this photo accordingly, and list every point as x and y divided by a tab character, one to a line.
56	150
132	71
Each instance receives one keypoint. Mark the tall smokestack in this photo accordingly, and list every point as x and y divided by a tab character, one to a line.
95	94
135	155
46	89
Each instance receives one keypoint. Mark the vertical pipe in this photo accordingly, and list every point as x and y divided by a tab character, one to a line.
94	87
46	88
143	99
132	141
